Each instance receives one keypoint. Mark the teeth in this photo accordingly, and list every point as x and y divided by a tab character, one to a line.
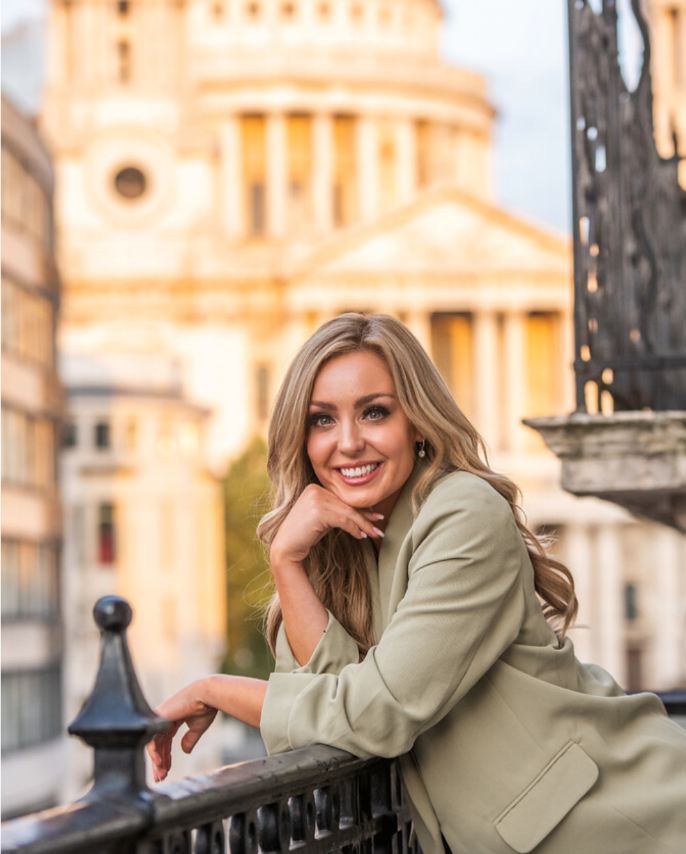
360	471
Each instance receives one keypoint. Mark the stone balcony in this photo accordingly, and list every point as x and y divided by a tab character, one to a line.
634	459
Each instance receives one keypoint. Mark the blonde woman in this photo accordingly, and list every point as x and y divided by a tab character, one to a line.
417	616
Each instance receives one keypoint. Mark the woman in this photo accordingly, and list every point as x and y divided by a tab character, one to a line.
416	617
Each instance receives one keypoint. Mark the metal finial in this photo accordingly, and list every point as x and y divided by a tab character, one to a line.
116	719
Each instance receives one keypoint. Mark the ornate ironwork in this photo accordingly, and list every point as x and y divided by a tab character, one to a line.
629	226
319	799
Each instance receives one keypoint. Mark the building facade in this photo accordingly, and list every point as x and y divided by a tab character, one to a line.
143	519
33	742
233	173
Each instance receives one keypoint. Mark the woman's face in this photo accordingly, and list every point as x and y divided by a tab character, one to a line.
359	440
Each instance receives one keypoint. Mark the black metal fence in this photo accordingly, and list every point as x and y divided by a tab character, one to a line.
629	227
320	799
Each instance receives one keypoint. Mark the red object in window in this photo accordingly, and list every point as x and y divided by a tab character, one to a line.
106	543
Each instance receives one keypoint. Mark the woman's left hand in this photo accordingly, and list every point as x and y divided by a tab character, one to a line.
186	707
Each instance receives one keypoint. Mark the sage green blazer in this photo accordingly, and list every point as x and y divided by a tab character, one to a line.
507	742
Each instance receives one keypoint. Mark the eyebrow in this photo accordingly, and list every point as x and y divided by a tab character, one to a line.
362	401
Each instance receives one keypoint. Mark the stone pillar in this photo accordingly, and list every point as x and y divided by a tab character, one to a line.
231	181
406	159
419	324
669	614
611	602
515	380
276	174
367	167
322	172
578	556
486	376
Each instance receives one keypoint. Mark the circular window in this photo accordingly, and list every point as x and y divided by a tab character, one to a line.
130	182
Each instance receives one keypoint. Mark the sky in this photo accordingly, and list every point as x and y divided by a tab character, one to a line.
521	49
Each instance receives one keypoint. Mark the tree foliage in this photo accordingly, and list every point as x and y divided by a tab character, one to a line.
249	582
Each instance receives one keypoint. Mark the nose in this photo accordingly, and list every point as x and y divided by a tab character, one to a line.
350	438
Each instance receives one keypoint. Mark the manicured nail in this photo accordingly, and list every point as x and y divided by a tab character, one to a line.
379	516
364	536
379	533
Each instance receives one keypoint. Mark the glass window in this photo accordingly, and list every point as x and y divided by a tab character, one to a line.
106	534
31	707
29	579
102	434
70	435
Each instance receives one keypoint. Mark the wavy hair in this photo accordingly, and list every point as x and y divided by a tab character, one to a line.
452	443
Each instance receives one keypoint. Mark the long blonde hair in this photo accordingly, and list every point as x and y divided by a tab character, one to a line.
452	443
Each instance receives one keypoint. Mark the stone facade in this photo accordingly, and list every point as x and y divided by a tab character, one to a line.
33	742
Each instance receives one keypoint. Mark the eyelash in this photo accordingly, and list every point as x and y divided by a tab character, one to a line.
315	420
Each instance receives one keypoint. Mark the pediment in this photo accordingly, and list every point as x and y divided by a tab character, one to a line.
445	232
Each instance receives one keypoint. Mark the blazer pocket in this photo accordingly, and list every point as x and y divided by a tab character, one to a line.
546	801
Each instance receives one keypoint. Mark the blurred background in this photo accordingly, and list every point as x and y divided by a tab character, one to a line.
189	189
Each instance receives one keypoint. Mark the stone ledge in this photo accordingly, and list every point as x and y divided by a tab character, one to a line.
634	459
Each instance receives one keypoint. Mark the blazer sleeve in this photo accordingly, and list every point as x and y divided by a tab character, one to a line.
334	651
463	607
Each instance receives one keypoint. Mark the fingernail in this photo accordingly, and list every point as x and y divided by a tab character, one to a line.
364	536
379	533
379	516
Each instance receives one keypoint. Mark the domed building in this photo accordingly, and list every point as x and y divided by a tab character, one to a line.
232	173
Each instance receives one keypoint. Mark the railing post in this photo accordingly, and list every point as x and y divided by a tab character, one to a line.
116	720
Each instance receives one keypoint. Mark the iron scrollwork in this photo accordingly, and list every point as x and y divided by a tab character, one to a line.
629	226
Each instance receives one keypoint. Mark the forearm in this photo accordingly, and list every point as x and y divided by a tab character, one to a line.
304	616
238	696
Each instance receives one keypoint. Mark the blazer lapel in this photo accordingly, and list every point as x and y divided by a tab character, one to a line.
393	569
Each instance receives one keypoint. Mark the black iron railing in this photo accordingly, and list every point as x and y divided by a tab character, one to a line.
629	227
320	799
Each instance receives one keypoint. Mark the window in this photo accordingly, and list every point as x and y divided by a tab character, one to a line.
257	212
299	138
253	146
253	10
106	534
324	11
132	434
29	579
70	435
28	453
288	10
123	7
102	435
31	707
130	183
25	203
124	59
387	165
344	184
26	324
630	603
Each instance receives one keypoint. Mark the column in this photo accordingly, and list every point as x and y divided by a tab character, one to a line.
322	172
406	159
231	183
578	557
486	376
611	653
367	167
515	380
419	324
667	658
276	174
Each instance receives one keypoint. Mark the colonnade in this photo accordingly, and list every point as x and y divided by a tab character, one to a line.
448	165
597	554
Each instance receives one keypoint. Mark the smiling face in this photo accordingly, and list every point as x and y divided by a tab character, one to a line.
359	440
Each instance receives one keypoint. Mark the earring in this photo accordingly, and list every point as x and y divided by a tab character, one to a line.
421	453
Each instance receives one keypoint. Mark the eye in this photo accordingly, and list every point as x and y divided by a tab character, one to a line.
376	413
320	419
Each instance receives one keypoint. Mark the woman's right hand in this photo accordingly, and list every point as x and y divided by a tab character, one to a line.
313	515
